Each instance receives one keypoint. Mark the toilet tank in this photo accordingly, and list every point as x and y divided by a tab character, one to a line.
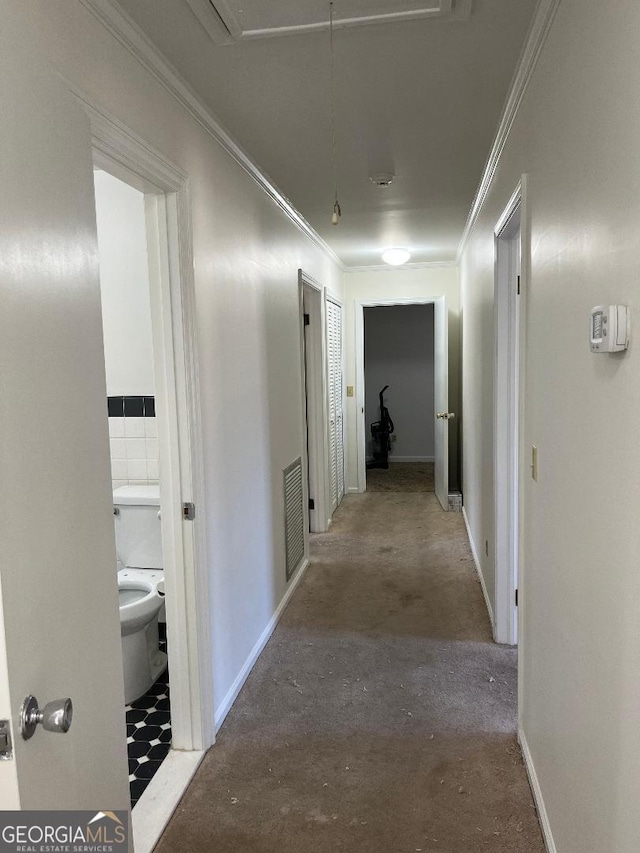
138	526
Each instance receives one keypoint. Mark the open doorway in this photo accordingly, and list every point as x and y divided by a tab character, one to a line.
399	397
160	191
135	473
440	409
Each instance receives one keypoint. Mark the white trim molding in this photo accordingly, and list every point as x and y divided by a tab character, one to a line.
536	790
483	587
132	38
536	37
160	799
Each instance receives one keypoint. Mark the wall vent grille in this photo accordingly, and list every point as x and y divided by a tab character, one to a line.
293	516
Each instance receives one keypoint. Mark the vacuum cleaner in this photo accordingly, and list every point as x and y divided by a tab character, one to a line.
381	436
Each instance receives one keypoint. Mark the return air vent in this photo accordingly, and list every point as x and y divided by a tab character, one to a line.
238	20
293	516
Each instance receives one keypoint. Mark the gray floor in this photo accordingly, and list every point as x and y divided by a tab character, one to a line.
381	717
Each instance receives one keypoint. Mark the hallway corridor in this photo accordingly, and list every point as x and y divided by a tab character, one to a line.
380	717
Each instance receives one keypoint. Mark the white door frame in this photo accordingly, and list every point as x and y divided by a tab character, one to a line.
167	209
361	433
507	405
314	399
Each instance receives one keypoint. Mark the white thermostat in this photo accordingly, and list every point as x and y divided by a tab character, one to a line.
609	328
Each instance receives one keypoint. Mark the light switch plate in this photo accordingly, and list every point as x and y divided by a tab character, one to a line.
349	390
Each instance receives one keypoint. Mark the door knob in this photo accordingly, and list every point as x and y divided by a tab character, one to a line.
447	416
56	716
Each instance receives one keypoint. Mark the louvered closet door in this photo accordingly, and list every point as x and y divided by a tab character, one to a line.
336	446
333	466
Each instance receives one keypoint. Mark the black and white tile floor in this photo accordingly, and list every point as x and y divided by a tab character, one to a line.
148	734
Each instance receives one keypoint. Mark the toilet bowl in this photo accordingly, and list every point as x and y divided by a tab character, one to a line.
140	585
141	596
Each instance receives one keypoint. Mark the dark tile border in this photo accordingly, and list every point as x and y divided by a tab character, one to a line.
131	407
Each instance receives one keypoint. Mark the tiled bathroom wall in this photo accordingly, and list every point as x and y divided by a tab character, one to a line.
133	438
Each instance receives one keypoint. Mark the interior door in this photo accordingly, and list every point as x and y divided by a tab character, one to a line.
339	408
441	400
334	383
59	623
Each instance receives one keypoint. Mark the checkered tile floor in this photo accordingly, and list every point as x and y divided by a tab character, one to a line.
148	734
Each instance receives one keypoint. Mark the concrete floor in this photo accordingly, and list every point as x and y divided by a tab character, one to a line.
381	717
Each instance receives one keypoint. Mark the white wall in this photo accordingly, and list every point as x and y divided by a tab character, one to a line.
576	136
126	326
398	351
246	256
402	284
124	287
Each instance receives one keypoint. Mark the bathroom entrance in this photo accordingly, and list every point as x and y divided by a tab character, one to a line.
135	472
158	496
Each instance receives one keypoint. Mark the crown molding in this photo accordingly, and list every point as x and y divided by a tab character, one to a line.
426	265
133	39
536	37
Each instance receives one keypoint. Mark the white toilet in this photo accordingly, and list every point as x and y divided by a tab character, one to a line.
140	585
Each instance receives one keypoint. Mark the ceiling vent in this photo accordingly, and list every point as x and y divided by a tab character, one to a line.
238	20
382	179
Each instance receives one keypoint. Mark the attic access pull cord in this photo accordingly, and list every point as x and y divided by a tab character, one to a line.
381	436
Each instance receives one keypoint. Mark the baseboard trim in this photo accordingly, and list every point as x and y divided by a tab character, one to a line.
536	790
474	553
160	799
221	712
353	490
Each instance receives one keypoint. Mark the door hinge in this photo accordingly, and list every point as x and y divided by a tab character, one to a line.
307	319
516	598
6	749
188	511
312	503
518	285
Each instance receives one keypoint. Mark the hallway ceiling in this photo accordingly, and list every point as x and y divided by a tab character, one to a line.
418	95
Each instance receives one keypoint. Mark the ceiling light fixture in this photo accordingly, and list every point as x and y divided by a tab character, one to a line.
337	212
396	257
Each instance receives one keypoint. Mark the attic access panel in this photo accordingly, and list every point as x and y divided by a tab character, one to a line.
248	19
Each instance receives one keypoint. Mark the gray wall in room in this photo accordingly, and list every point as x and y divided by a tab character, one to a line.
398	351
